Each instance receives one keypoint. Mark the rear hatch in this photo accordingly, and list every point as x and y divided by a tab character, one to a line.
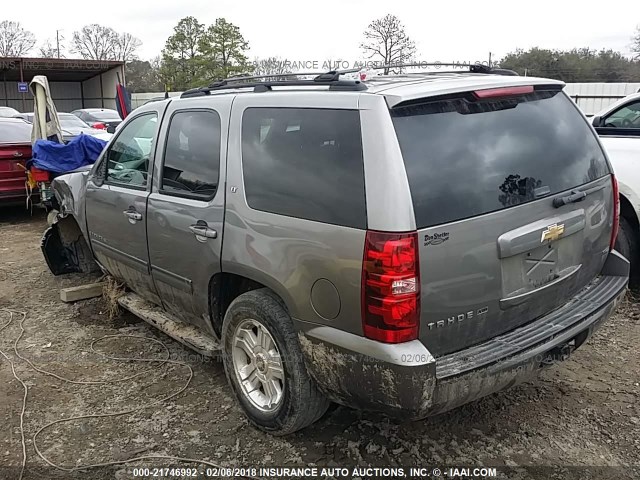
13	158
484	171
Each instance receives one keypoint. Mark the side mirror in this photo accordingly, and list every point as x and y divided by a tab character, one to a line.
597	121
99	173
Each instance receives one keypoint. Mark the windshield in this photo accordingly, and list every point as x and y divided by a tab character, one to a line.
15	132
8	112
466	158
71	121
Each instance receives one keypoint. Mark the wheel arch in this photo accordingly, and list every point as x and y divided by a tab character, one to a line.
224	287
66	248
628	211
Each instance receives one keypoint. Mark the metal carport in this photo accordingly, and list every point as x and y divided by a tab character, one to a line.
74	83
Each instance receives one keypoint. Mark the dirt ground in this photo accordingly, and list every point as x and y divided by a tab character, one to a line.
584	412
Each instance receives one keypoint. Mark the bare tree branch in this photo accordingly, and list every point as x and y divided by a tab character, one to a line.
272	66
96	42
386	40
635	47
126	46
15	41
48	50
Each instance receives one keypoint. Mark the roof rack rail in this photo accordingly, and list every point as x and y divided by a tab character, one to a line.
473	67
259	83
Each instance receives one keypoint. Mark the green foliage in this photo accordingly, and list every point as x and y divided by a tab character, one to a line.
224	50
195	55
142	76
576	65
181	64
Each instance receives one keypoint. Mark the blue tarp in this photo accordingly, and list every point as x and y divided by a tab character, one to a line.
61	158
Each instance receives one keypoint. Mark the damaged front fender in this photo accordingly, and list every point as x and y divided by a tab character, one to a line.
70	192
64	244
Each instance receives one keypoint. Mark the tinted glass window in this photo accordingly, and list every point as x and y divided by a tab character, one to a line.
128	156
305	163
15	132
627	117
192	154
106	115
466	158
68	120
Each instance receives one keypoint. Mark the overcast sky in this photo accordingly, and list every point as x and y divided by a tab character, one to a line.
297	30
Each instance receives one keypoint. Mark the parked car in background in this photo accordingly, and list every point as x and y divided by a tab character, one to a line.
100	118
306	233
8	112
15	150
72	126
625	113
618	126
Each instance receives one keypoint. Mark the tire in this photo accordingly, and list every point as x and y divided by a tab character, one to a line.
627	244
300	402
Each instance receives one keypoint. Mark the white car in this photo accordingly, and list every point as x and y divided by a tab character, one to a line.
619	128
72	127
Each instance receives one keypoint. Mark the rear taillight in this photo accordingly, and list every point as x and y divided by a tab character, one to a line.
99	126
391	287
616	212
503	91
40	175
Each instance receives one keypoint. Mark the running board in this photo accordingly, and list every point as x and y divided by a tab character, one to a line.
184	333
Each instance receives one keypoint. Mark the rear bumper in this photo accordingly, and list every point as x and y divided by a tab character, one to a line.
16	197
405	380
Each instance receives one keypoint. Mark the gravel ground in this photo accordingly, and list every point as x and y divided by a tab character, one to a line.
584	412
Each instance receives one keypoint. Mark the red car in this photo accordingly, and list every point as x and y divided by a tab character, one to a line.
15	150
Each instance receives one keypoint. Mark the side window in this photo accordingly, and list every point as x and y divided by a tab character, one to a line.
128	156
191	164
305	163
626	117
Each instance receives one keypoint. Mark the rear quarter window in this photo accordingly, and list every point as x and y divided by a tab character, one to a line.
305	163
465	158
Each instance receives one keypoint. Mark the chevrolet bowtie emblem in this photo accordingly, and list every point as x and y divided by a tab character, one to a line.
552	232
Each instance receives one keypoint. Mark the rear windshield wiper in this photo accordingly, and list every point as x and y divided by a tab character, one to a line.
575	196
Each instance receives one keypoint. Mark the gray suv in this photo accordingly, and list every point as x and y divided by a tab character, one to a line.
405	244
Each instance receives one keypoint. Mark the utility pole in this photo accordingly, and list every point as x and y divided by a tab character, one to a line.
489	59
58	42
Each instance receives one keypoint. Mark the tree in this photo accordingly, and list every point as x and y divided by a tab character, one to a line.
126	46
385	40
48	50
181	63
576	65
224	50
635	47
15	41
95	42
143	76
272	66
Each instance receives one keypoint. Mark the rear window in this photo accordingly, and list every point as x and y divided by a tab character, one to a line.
305	163
465	158
106	115
15	132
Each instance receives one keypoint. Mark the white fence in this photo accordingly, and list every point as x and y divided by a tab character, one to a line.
590	97
593	97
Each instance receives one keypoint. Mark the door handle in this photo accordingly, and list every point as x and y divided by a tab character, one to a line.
202	231
132	215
